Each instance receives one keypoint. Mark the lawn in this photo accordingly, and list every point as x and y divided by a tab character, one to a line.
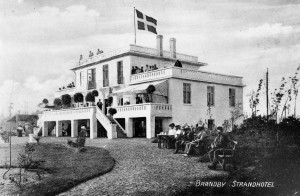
67	168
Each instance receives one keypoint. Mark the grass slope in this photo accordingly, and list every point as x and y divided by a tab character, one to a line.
68	168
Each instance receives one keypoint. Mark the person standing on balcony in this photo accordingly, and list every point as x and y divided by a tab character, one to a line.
91	54
147	68
142	69
154	67
100	104
99	51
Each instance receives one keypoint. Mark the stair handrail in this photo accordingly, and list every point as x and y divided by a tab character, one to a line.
119	125
103	117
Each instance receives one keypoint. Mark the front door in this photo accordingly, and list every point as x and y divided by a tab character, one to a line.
158	125
139	126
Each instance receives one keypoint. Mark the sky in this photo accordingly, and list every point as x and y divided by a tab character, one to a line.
40	39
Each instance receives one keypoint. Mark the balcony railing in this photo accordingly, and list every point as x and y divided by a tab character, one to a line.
135	49
146	109
186	74
69	91
67	114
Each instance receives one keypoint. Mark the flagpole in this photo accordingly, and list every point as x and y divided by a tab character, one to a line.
134	25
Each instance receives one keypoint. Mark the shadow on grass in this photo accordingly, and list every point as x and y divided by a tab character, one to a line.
67	168
279	166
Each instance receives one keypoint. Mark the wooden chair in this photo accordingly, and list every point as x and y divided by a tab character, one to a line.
227	155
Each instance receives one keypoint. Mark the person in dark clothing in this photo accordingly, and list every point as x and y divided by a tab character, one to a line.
181	139
142	69
220	142
199	139
100	104
133	70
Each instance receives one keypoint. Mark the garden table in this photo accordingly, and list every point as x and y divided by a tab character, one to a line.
165	140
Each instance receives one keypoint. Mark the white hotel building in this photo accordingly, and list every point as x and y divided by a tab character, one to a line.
182	95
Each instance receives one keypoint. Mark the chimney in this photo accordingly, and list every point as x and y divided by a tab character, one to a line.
159	45
173	47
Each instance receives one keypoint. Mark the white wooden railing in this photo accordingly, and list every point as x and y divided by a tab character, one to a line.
144	109
187	74
106	123
132	48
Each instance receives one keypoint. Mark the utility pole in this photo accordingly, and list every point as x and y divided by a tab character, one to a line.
267	93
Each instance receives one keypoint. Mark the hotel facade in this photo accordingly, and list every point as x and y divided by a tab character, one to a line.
183	94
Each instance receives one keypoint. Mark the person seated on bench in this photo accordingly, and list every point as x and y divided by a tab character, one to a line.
181	139
200	139
80	140
220	142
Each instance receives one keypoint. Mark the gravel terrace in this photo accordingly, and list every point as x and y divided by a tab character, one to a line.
141	168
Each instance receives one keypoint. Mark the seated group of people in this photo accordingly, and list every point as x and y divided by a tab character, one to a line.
136	69
190	139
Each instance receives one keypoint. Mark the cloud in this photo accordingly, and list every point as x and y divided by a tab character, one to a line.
267	30
51	24
27	95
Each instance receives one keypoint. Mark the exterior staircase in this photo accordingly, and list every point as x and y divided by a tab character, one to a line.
113	128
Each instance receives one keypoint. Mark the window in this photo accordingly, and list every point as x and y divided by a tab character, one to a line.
80	78
210	124
210	95
120	72
232	97
186	93
91	73
105	76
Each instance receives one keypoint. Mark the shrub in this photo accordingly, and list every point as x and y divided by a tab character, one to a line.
112	111
45	101
90	97
95	93
66	99
150	89
78	97
57	102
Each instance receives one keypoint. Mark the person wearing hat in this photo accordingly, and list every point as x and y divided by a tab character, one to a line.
81	137
171	139
199	139
181	139
221	141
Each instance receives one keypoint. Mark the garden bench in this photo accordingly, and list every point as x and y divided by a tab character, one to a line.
227	155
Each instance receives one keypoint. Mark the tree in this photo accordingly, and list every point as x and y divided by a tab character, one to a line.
57	102
90	97
254	100
95	93
150	89
78	97
235	114
112	111
295	87
66	100
45	101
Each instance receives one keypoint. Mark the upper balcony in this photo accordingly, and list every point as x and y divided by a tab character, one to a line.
70	91
144	110
176	72
136	50
69	114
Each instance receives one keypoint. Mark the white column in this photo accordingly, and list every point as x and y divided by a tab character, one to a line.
129	127
58	128
74	128
115	101
150	127
93	127
113	132
45	129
